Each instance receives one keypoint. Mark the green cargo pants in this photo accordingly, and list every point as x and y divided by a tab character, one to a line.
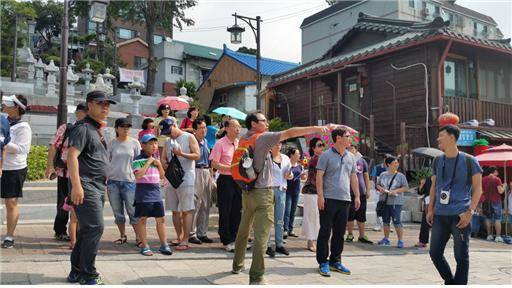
257	209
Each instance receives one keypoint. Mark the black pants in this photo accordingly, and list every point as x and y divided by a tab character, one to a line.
90	219
61	219
229	200
425	228
333	218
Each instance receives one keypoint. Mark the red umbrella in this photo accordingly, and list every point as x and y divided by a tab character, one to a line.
176	103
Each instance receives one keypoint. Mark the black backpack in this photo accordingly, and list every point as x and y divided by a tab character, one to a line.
468	167
57	159
175	172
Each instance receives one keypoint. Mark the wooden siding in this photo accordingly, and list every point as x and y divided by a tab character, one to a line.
469	109
227	71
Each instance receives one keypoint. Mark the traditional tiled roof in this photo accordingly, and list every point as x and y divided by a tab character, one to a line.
200	51
402	33
268	67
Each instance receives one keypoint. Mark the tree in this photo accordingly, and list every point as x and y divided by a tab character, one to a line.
49	22
191	88
246	50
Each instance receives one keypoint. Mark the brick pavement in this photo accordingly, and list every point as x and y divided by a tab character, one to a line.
38	259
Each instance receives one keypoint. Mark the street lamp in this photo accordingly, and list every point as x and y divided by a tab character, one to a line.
236	38
98	11
31	30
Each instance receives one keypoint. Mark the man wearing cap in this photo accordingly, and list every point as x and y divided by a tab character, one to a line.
87	163
14	170
58	168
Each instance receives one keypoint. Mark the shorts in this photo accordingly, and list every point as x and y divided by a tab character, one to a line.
392	212
149	209
496	212
181	199
12	183
359	215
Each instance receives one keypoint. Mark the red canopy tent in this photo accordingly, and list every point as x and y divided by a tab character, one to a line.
498	156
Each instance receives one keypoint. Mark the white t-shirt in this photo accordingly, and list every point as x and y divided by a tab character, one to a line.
18	148
279	172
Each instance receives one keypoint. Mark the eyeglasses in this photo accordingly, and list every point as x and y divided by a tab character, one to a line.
320	145
262	120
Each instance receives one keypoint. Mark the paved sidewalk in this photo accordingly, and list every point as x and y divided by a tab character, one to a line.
38	259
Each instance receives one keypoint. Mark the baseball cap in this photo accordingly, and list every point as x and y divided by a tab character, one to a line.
166	125
122	122
148	137
81	107
99	96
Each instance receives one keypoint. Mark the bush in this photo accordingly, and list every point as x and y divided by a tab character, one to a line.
96	65
36	161
276	124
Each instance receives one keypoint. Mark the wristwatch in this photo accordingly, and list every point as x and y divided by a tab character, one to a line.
473	211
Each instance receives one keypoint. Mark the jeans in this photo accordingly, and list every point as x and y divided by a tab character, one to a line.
90	220
332	219
62	216
121	195
292	197
280	202
229	200
258	213
442	228
392	212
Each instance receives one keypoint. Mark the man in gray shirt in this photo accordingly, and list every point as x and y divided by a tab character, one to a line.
258	202
336	173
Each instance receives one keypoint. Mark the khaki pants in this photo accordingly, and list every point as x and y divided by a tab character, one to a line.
257	209
202	201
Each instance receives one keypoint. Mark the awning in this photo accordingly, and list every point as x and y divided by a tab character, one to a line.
495	134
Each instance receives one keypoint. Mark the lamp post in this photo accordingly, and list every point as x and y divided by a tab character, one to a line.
236	38
98	13
31	30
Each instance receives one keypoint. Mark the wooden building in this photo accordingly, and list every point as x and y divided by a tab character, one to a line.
398	71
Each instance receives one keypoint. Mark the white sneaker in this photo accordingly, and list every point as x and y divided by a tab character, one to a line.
490	238
378	228
498	239
230	247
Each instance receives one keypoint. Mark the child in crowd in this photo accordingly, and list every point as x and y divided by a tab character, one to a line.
148	127
148	201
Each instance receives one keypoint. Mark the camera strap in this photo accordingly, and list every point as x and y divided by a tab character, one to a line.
453	172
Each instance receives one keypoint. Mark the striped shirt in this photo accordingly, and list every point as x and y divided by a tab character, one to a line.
147	187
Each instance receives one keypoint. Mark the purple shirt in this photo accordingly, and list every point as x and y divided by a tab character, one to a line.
361	168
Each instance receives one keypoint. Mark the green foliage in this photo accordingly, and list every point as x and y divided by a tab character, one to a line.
49	19
47	58
36	161
422	173
276	124
96	65
246	50
191	88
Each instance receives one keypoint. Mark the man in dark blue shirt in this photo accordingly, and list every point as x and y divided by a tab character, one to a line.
5	137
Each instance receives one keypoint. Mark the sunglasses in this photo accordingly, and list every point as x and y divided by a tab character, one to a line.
262	120
320	145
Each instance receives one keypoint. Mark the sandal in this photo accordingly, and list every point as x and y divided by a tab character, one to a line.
174	243
139	244
146	251
182	247
121	240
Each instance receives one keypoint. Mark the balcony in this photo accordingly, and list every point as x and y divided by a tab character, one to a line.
468	109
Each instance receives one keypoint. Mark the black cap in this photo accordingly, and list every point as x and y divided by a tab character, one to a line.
99	96
81	107
122	121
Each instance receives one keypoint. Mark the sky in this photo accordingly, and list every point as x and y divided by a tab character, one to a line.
280	31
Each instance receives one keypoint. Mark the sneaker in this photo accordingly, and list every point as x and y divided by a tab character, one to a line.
73	277
350	238
420	245
262	281
8	244
62	237
324	270
282	250
338	267
195	240
230	247
376	229
165	250
237	271
271	252
364	239
498	239
490	238
400	244
285	234
384	242
205	239
291	234
94	281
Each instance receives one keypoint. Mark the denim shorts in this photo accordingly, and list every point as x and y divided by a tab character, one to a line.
392	212
496	212
121	195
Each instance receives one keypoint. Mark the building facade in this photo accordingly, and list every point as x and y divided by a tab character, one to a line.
321	30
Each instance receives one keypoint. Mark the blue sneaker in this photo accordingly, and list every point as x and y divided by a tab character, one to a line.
400	244
93	281
384	242
323	269
73	277
338	267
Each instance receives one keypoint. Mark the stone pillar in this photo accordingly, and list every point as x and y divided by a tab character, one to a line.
107	77
30	62
51	79
135	88
39	85
87	75
72	78
100	85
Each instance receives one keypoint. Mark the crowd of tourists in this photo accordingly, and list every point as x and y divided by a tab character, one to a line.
175	167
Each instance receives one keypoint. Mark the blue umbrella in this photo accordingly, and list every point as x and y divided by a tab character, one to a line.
230	111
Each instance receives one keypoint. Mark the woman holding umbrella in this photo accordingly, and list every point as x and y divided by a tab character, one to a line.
164	113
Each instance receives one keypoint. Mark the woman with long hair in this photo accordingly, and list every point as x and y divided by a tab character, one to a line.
164	113
186	124
311	218
293	191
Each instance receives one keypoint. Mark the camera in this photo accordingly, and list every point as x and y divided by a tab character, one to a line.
445	197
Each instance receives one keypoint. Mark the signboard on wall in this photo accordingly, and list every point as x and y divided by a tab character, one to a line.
467	137
126	75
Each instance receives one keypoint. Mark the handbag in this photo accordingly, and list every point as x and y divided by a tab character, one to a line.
382	203
175	172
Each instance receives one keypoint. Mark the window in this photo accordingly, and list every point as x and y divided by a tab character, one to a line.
411	3
455	78
139	61
176	70
157	39
437	11
493	83
475	29
126	33
91	27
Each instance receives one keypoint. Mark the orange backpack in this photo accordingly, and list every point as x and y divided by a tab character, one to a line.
245	150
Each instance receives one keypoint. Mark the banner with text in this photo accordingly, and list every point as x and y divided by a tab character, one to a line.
126	75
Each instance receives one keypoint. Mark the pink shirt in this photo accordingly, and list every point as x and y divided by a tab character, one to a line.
57	142
223	152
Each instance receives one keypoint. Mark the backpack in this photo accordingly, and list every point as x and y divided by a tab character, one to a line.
175	172
58	162
245	150
468	167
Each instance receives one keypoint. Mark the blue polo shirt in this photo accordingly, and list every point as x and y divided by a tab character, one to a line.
460	195
204	153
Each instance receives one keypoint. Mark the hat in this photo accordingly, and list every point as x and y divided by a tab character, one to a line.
165	125
148	137
11	101
122	121
99	96
81	107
